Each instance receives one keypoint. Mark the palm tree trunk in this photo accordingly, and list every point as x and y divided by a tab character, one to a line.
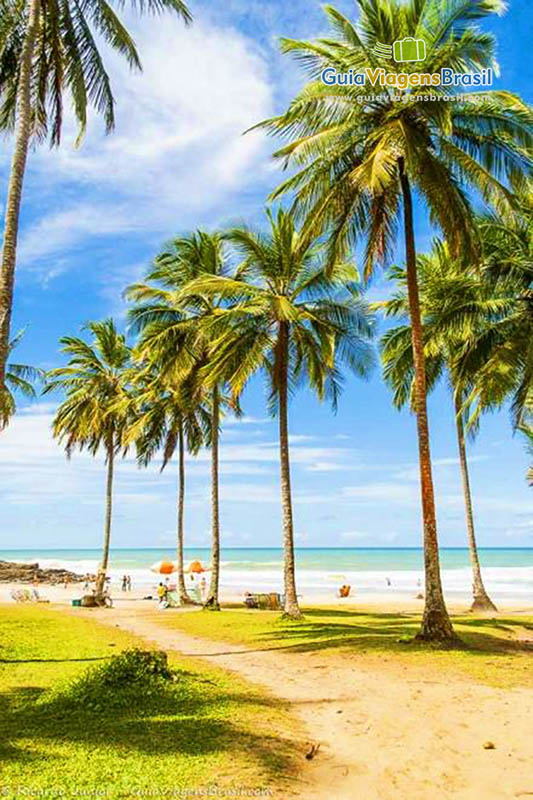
184	597
212	601
102	573
16	180
482	601
291	599
436	624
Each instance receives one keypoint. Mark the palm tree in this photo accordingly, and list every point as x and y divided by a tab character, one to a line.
500	355
454	303
282	314
49	49
360	157
94	383
527	430
164	419
19	379
172	334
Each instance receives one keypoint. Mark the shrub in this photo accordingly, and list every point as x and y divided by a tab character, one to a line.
135	665
134	678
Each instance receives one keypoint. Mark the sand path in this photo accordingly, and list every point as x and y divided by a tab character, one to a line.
388	733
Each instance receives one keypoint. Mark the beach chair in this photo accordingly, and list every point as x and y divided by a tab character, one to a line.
268	601
274	601
195	593
173	599
21	596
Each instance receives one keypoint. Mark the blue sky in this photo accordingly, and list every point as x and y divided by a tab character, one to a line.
92	220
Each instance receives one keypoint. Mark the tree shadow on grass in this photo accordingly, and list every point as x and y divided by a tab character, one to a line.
390	632
192	717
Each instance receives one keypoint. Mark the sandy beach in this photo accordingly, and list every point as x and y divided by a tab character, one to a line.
385	730
395	601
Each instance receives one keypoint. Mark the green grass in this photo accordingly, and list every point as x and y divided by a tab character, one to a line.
208	728
491	653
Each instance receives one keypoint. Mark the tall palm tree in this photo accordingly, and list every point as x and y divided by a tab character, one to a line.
500	355
164	420
448	292
49	49
360	156
94	383
20	379
170	318
527	430
282	314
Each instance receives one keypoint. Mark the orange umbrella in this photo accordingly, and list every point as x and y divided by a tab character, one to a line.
197	567
164	567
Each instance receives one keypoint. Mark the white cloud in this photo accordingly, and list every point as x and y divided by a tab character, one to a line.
325	466
391	493
62	230
177	151
411	472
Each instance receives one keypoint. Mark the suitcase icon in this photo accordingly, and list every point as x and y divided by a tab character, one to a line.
409	49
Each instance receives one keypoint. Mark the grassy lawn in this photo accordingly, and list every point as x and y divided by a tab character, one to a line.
491	653
207	728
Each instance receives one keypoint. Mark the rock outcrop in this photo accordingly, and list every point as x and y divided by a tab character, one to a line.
11	572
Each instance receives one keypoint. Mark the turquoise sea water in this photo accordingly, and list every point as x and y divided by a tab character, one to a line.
316	558
508	572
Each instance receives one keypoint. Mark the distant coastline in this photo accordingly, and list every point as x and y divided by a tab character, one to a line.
371	571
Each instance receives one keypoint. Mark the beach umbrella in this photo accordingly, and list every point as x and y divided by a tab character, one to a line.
164	567
197	567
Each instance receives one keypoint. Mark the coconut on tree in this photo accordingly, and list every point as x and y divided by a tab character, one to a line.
285	315
363	164
50	51
90	417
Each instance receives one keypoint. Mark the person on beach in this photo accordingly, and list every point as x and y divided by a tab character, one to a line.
162	594
128	583
124	583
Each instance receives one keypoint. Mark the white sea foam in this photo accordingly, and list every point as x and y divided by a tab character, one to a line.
238	577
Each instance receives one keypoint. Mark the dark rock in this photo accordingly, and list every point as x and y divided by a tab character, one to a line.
11	572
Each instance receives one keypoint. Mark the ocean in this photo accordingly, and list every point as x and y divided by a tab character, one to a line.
507	572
